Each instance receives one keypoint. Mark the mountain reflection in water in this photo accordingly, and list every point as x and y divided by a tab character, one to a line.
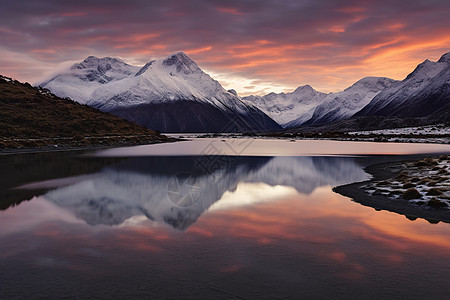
177	190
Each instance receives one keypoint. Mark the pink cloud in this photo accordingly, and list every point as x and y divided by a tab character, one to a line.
327	44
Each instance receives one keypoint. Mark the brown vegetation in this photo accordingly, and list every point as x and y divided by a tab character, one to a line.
436	203
434	192
411	194
33	117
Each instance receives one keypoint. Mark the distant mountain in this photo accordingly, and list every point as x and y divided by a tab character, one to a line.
170	95
306	106
31	116
422	98
286	107
422	93
343	105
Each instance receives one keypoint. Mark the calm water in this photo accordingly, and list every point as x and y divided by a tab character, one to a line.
217	219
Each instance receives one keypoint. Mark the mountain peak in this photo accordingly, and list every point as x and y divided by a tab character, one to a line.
428	69
445	58
425	64
371	82
182	62
303	88
95	59
232	91
368	79
181	54
104	63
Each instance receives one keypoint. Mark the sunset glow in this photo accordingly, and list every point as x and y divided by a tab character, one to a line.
252	46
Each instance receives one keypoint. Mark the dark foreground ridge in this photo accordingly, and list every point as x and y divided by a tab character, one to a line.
34	118
386	174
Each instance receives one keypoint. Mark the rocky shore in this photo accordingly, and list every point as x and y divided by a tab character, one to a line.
416	189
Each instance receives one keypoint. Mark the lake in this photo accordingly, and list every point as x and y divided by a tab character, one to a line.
212	218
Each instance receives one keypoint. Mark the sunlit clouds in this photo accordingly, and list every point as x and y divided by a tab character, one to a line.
252	46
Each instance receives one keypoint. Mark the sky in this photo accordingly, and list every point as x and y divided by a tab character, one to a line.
252	46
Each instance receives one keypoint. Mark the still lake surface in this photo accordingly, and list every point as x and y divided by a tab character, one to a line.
212	218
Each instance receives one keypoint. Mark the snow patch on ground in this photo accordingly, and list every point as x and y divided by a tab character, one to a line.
440	129
425	183
7	79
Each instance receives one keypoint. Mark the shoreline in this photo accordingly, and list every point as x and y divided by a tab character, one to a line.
442	140
387	172
61	148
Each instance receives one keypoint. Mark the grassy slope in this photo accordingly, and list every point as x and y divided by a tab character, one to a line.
33	117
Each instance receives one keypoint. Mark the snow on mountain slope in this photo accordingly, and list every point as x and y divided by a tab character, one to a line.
285	107
152	94
103	81
174	78
308	106
424	91
82	79
343	105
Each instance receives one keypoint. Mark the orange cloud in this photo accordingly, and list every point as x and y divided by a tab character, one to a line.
231	11
46	51
136	38
198	50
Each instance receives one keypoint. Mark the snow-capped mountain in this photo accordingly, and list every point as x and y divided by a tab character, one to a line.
286	107
343	105
308	106
171	95
174	95
423	92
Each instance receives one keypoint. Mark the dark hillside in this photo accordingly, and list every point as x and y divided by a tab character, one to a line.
33	117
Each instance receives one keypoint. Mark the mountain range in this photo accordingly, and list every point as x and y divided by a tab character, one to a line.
173	94
423	93
306	106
